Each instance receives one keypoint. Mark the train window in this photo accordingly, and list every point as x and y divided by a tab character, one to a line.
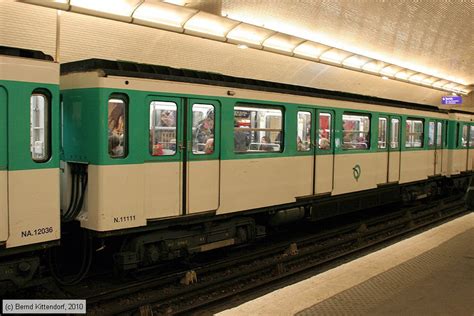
163	128
439	134
394	133
303	137
414	133
203	129
117	123
356	131
258	129
471	136
324	141
431	134
382	140
464	135
40	127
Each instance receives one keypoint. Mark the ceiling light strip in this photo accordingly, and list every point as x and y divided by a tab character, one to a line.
96	8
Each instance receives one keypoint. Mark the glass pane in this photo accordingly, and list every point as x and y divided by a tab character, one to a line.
324	141
39	127
163	128
439	134
464	136
355	130
395	132
431	134
117	128
258	129
471	141
382	140
414	134
203	129
303	138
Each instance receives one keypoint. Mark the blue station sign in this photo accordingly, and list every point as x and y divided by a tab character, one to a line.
451	100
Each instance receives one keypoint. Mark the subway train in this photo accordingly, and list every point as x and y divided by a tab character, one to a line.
153	163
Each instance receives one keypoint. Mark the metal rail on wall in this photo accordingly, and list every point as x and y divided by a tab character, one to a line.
195	22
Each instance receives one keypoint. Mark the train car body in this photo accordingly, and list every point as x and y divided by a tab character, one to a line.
164	145
29	159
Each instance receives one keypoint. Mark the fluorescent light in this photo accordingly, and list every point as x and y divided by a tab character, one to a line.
162	15
417	78
113	9
248	34
440	83
390	70
404	74
334	55
374	66
310	50
385	78
355	61
209	25
242	46
282	42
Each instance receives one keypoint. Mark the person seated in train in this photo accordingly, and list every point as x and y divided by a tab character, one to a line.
324	143
209	146
115	148
265	144
166	119
204	130
299	144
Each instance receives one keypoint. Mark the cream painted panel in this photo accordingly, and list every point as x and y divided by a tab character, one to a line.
253	183
29	70
416	165
372	168
438	161
162	189
444	162
115	198
3	206
394	166
382	168
457	160
203	186
324	173
33	200
470	163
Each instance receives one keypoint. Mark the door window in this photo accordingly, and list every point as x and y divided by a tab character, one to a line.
439	134
203	129
303	137
117	123
40	127
382	139
324	133
394	133
162	128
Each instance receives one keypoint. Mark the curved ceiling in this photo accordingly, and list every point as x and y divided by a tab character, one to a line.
434	37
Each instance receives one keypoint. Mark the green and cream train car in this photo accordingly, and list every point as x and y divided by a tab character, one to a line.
29	160
184	161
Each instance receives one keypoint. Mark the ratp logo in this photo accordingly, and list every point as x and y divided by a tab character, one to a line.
356	172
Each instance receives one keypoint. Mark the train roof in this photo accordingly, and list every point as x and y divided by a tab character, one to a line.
25	53
138	70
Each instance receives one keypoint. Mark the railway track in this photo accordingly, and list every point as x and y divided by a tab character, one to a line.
200	285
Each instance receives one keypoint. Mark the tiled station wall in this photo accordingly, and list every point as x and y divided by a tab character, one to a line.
28	26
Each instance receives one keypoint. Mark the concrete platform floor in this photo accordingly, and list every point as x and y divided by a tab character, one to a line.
428	274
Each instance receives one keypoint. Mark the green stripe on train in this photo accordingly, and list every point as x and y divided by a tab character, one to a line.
16	96
86	133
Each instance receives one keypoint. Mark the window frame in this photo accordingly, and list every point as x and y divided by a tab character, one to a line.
47	125
392	134
331	115
150	149
262	107
310	147
414	119
381	118
368	133
126	113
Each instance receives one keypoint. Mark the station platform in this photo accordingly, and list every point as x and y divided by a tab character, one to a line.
428	274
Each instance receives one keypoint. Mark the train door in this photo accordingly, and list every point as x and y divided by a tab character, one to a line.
470	151
201	174
3	167
435	142
305	143
324	171
394	149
